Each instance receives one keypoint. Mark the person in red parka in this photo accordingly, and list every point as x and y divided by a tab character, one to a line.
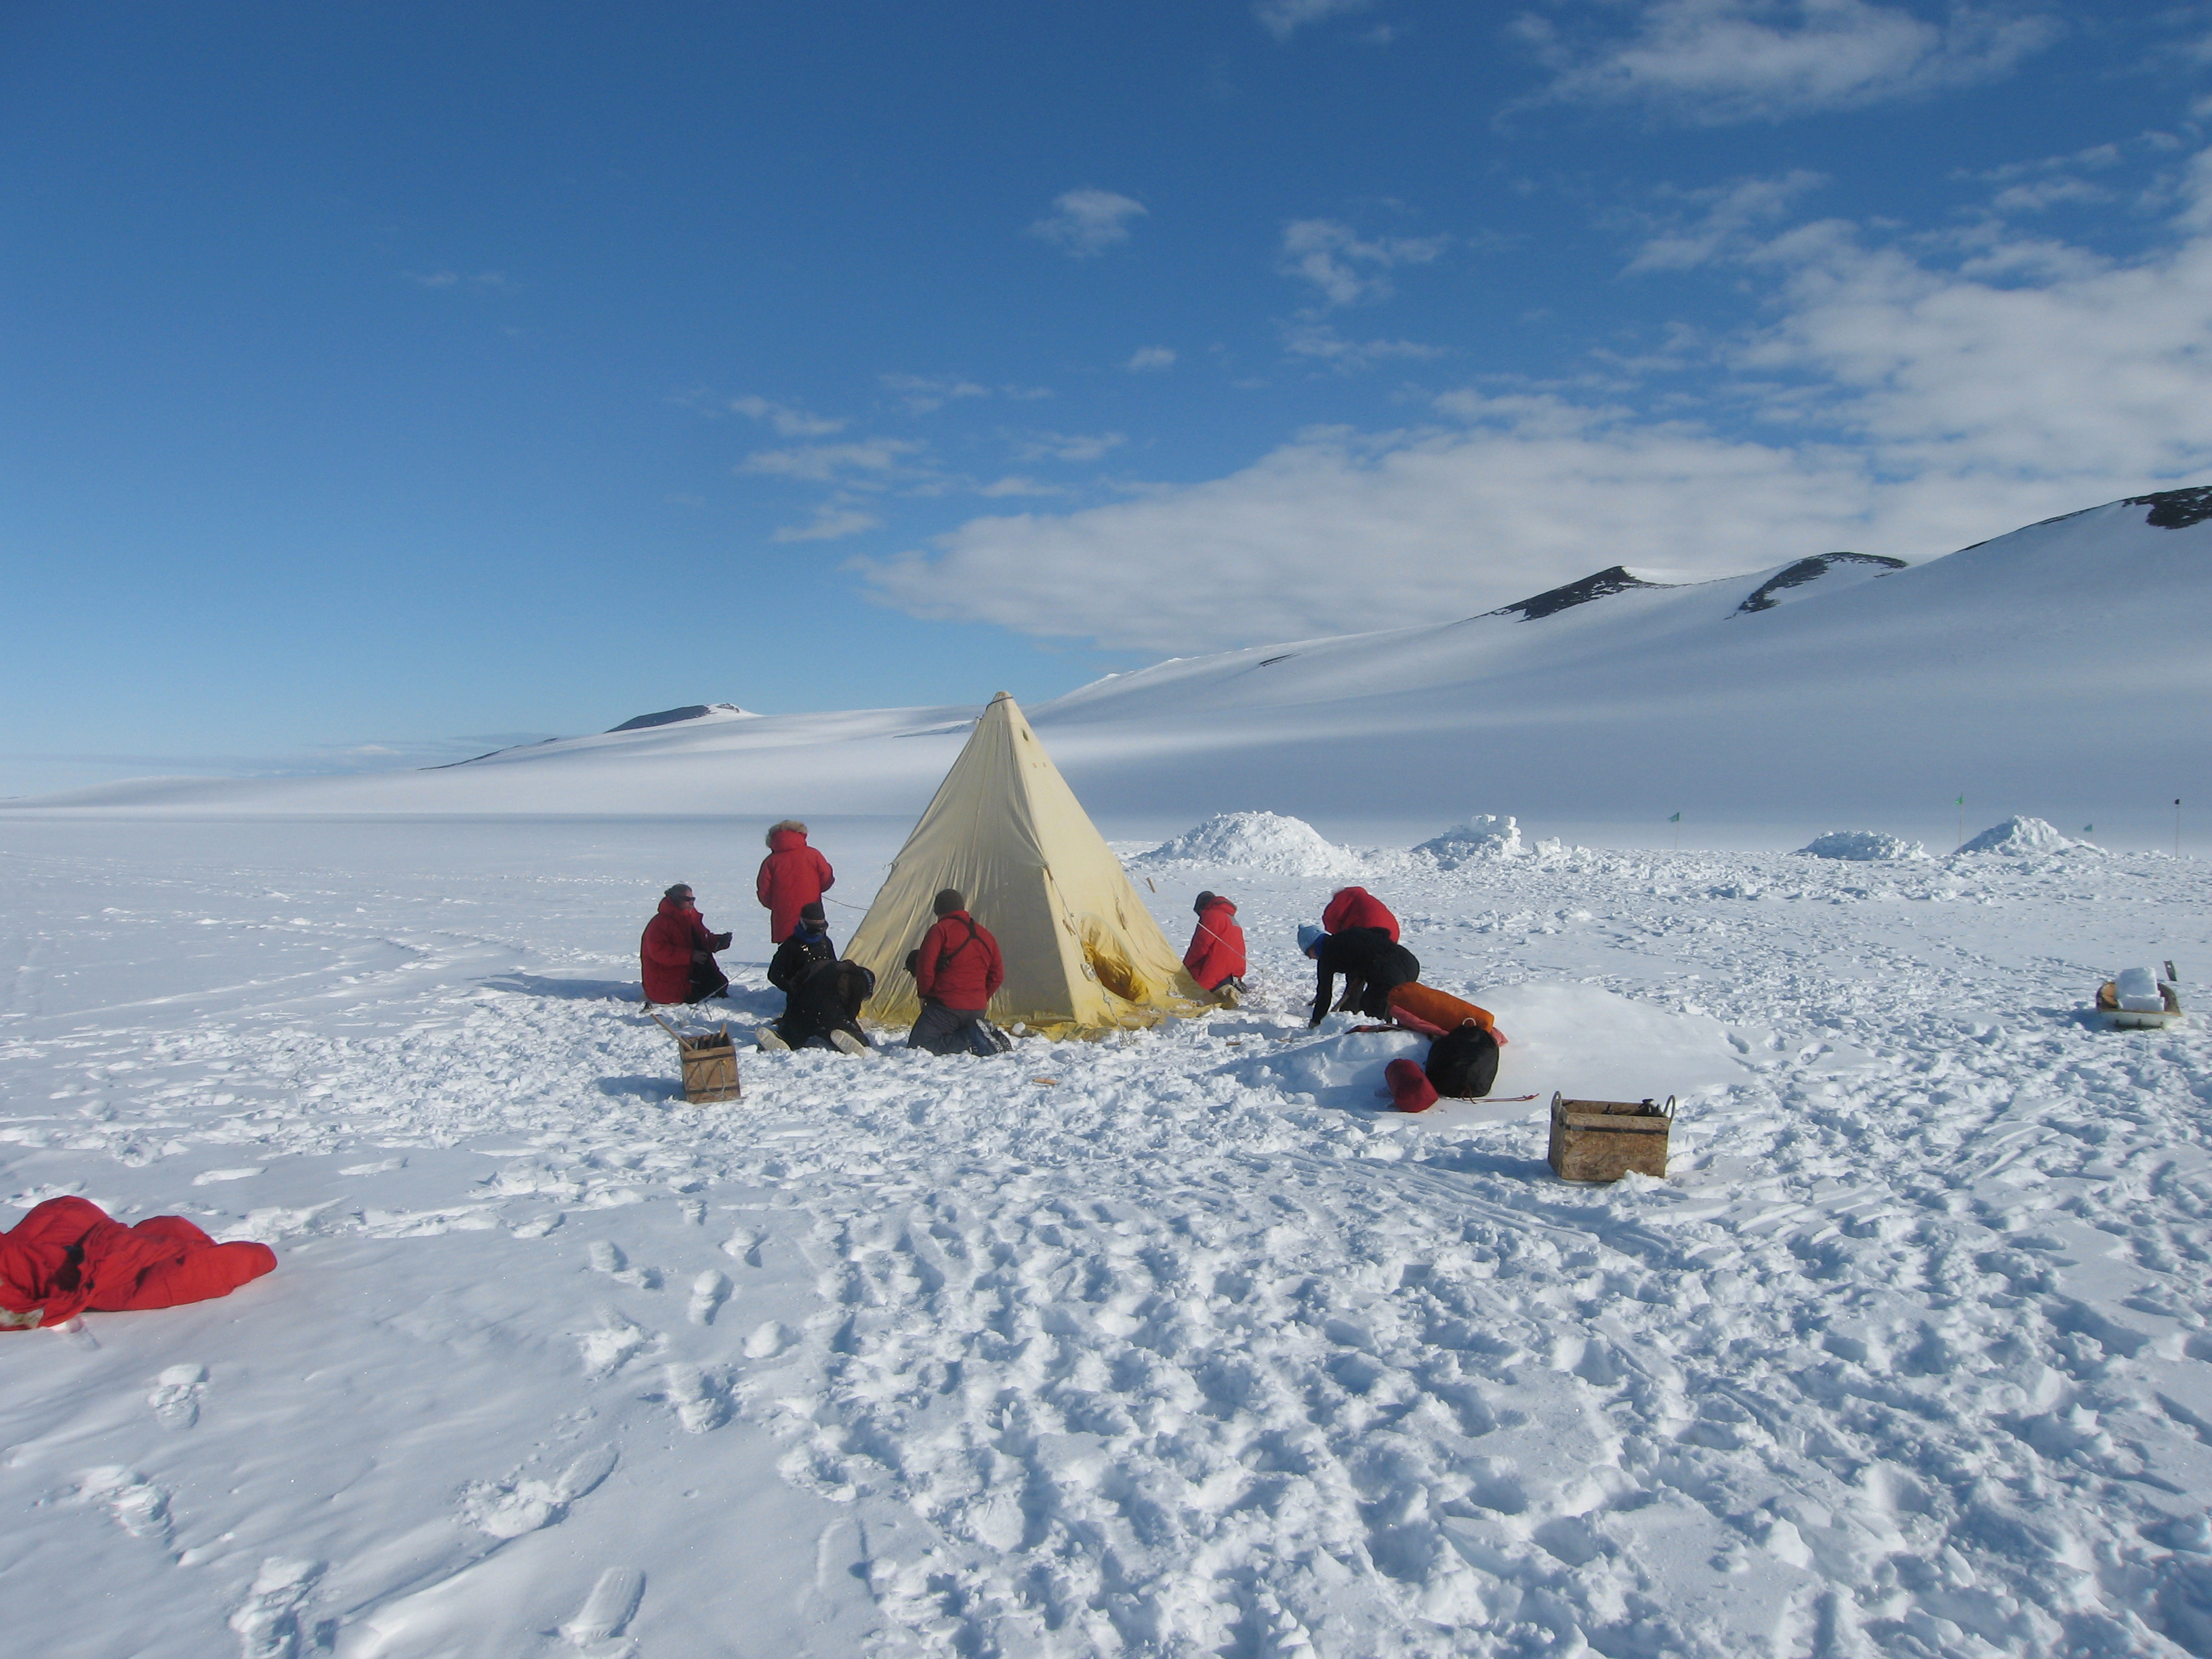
791	876
676	956
68	1254
1216	957
957	970
1355	907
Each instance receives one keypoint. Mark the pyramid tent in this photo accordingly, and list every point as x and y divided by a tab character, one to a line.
1082	952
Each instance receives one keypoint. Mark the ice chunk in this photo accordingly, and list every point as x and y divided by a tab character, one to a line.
2137	991
1483	838
1258	840
1863	846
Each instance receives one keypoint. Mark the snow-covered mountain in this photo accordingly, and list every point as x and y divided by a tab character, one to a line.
2056	669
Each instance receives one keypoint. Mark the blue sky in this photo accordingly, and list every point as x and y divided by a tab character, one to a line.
378	384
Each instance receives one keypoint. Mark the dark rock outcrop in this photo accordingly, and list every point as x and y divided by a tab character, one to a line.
1614	578
1810	569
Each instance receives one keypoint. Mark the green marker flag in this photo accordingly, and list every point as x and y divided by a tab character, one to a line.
1961	801
1677	818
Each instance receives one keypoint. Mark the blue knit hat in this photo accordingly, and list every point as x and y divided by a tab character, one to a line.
1310	936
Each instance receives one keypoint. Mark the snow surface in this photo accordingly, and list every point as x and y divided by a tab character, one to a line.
1172	1344
1861	846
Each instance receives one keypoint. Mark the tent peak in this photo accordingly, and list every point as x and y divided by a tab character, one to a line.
1004	696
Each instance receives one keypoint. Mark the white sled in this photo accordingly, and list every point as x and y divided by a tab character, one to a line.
2108	1002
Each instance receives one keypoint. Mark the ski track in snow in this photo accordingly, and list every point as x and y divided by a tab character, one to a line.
1167	1344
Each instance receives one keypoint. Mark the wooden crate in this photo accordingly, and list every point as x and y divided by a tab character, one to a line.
710	1063
1604	1140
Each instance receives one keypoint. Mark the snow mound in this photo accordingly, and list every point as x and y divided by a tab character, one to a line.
1862	846
1483	838
1258	840
2018	837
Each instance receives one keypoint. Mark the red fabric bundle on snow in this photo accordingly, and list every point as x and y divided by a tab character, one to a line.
1410	1088
68	1254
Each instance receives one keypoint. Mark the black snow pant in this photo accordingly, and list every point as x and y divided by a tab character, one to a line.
707	981
943	1031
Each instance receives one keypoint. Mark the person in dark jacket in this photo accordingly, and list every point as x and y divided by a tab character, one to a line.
958	970
677	953
1216	957
824	1011
808	947
1355	907
792	875
1372	964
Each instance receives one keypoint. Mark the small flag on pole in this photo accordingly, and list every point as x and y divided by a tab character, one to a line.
1677	818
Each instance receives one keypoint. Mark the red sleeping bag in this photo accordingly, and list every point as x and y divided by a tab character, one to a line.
68	1254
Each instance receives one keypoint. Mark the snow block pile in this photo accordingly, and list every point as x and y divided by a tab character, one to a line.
1266	842
1484	838
1861	846
2018	837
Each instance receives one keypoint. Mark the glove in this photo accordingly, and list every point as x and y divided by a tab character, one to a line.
721	941
702	956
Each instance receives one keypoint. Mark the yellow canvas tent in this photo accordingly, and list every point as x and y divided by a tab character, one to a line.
1082	952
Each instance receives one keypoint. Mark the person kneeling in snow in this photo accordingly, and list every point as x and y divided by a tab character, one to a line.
808	947
824	1011
68	1254
677	953
1216	957
957	970
1371	962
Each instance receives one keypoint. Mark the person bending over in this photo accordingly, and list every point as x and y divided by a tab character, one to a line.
1369	961
1216	957
957	970
677	953
1355	907
824	1011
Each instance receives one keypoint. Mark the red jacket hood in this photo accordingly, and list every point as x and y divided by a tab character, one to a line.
668	907
782	841
1219	904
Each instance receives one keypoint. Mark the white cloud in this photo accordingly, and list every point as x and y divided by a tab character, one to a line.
921	394
1730	213
437	279
787	422
1068	447
1284	18
1088	221
1015	484
822	463
1908	396
1346	268
1146	357
1709	62
830	523
1310	338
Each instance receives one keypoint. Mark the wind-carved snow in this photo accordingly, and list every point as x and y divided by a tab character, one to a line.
2020	837
1483	837
1861	847
1264	842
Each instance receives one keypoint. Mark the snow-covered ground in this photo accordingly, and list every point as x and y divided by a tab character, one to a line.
1176	1343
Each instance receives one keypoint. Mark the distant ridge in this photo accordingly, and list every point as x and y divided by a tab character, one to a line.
671	716
1810	569
1614	579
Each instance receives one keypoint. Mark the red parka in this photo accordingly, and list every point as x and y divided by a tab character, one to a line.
665	952
68	1255
959	964
1217	947
791	876
1355	907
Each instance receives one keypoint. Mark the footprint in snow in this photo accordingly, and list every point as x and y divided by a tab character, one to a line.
268	1621
516	1505
537	1226
694	1212
609	1608
701	1398
611	1347
767	1340
744	1244
606	1258
708	1291
176	1396
140	1507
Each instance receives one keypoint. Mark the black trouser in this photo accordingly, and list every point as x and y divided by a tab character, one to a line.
707	981
943	1031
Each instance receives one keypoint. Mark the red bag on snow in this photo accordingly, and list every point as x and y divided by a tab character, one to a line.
68	1254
